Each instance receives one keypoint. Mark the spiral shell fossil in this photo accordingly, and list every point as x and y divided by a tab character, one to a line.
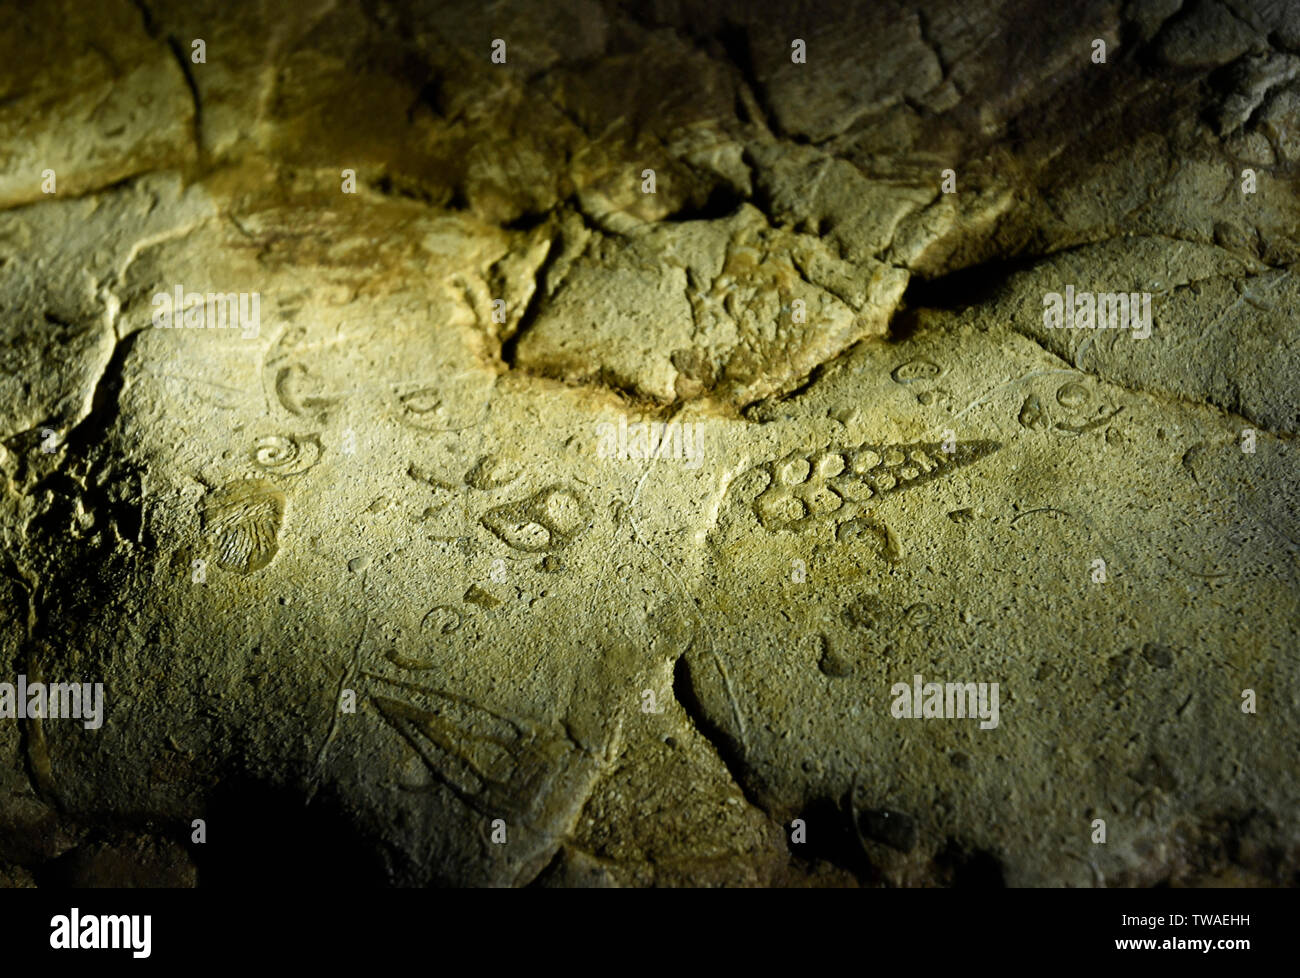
287	454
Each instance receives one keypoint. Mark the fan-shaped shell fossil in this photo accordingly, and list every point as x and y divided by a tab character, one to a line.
243	518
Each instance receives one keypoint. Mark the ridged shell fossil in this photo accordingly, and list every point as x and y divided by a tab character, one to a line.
244	519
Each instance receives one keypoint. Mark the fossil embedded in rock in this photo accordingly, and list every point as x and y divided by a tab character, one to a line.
287	454
549	520
812	488
839	276
243	520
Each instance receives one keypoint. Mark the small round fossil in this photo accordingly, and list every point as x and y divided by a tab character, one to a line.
287	454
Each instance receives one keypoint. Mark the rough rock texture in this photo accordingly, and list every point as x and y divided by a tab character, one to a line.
364	577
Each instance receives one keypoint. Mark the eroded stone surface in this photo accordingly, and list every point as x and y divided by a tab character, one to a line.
392	492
